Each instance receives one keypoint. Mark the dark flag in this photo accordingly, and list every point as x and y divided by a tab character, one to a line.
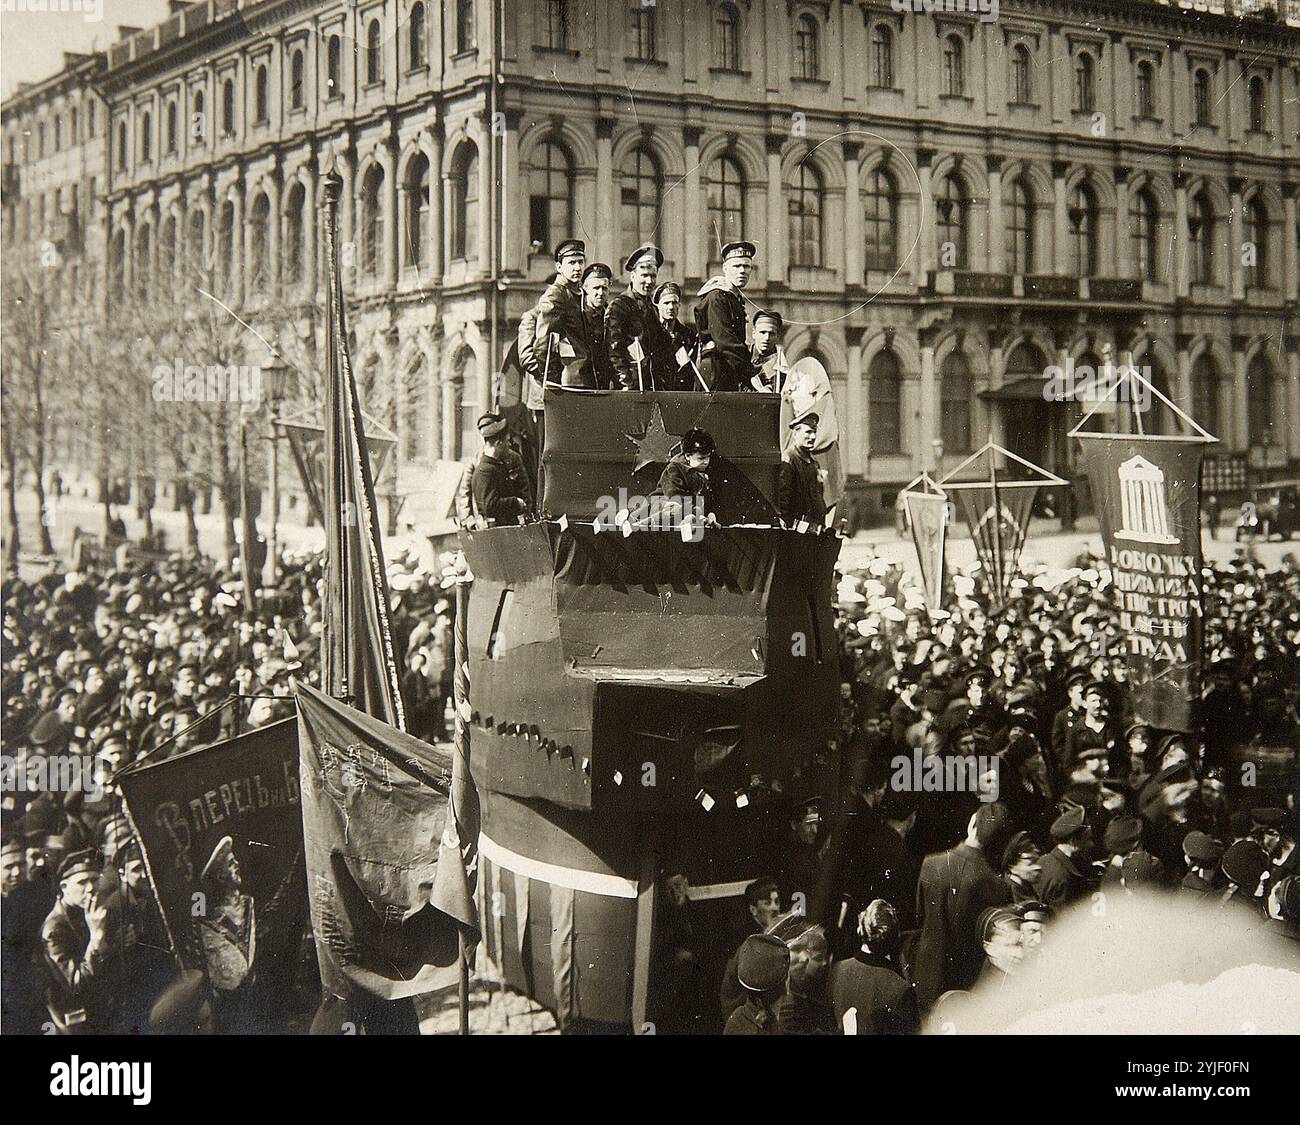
183	811
998	518
360	665
376	816
927	516
1147	491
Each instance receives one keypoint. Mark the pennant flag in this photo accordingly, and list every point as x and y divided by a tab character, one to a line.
998	519
927	516
306	433
1147	491
360	664
239	795
375	814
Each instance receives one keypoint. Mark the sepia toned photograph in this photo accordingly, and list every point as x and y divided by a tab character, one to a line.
660	518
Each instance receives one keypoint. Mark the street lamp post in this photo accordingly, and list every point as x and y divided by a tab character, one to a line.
274	374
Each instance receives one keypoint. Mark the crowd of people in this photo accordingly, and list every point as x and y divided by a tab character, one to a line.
104	667
1067	794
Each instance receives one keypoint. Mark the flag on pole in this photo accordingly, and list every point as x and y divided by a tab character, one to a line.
360	665
927	516
998	519
247	530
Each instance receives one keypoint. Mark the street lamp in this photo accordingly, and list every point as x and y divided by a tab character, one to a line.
275	377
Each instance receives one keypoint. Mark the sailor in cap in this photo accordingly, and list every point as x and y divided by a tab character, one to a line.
674	343
1066	875
720	317
553	346
595	305
631	324
799	496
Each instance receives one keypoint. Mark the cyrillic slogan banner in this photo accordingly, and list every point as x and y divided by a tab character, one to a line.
375	802
927	515
182	808
1147	493
998	528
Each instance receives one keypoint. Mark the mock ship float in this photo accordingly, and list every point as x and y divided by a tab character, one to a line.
642	706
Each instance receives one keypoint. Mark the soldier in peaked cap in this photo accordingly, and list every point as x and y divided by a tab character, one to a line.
720	317
1066	876
553	345
799	496
81	957
1204	854
499	478
632	325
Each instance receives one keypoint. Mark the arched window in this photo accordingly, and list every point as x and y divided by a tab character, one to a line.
415	37
804	208
644	32
58	132
466	35
950	213
117	264
259	219
334	67
884	404
144	259
372	220
261	96
297	70
167	250
1257	106
955	404
1200	226
1020	228
228	107
417	210
294	234
880	221
225	246
724	193
726	37
1145	90
1205	393
1144	220
1256	231
882	57
146	137
198	121
641	192
1022	90
374	52
954	67
1261	419
1201	97
1082	213
121	146
1084	93
196	244
464	210
555	24
550	196
805	47
171	127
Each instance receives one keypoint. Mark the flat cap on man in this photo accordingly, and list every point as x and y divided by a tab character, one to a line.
768	314
1122	835
492	425
1202	847
762	963
78	863
738	249
1069	824
646	250
810	418
598	269
570	246
665	288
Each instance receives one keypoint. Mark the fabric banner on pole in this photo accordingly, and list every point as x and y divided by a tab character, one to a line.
927	515
998	519
1147	491
808	387
374	814
181	808
360	664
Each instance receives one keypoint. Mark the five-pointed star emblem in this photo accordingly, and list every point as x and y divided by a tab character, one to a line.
654	445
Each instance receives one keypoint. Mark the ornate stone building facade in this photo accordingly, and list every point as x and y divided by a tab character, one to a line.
945	207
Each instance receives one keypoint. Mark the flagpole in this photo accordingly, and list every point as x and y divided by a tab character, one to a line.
460	700
997	525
